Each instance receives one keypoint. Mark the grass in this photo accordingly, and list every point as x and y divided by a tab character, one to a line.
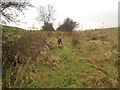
0	84
80	63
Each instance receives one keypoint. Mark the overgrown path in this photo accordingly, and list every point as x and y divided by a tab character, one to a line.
74	69
32	59
70	71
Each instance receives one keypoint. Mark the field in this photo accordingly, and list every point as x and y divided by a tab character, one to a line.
87	59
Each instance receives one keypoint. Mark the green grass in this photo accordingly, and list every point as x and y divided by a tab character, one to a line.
79	64
0	84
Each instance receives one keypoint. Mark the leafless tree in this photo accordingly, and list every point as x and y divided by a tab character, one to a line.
9	9
46	14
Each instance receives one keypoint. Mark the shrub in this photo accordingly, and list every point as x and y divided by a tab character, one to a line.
28	50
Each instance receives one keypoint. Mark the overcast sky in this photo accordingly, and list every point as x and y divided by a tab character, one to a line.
89	13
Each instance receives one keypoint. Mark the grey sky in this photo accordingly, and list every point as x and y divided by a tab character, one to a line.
89	13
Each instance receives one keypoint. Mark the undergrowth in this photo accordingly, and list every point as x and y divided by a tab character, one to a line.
32	59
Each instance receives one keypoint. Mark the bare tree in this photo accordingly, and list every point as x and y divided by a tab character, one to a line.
9	9
46	15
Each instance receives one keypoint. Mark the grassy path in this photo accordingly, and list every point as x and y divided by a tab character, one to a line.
81	63
70	70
